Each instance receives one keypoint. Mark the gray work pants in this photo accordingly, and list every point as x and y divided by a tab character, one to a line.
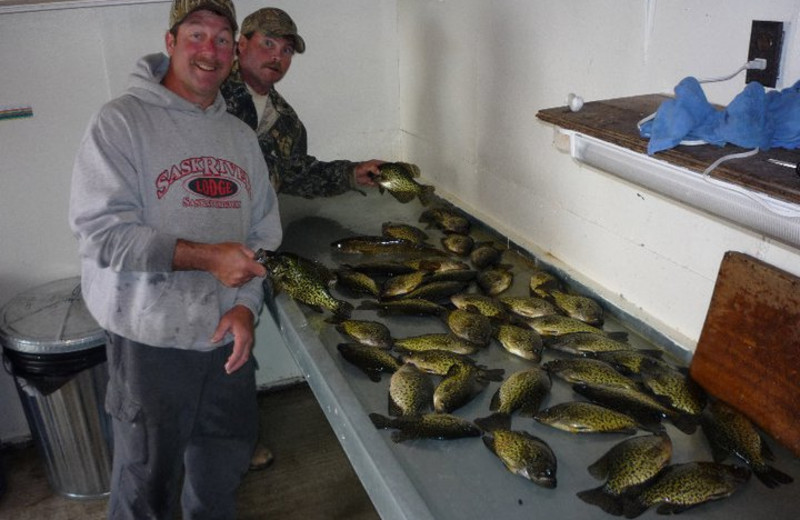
178	417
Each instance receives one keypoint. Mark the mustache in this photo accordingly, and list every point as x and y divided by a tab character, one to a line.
273	66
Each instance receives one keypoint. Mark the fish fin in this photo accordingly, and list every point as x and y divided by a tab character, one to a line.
488	441
631	507
394	409
370	305
766	451
426	195
343	310
605	501
491	374
772	477
400	436
494	404
381	189
685	423
671	509
380	422
496	421
403	196
599	469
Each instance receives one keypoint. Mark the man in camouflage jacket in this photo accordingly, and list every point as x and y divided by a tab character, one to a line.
267	43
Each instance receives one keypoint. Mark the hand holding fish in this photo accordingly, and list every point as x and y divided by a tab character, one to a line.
366	172
231	263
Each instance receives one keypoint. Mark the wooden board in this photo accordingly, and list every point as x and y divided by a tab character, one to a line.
748	354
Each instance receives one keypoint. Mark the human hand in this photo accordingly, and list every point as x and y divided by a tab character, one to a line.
232	263
239	322
365	172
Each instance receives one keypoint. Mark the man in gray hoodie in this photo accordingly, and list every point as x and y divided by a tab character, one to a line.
170	198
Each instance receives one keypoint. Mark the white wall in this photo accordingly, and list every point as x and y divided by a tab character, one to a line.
473	76
67	63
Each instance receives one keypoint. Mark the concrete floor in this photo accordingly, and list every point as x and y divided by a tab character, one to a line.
311	477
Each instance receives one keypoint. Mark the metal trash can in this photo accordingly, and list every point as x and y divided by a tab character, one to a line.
55	351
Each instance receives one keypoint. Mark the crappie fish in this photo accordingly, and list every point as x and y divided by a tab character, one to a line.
410	391
461	384
437	265
367	332
579	307
486	305
592	371
381	268
647	411
440	362
436	341
557	325
398	179
404	307
625	467
370	360
470	326
440	426
446	220
403	284
682	486
304	280
583	417
522	392
628	361
586	343
495	280
381	245
675	388
357	282
542	282
435	291
522	454
730	432
458	244
529	306
404	231
484	254
522	342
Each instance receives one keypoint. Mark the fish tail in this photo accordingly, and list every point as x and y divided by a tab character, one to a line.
492	374
381	422
772	477
685	423
343	310
495	421
632	508
426	195
605	501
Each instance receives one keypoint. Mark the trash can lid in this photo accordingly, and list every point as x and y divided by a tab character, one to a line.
50	319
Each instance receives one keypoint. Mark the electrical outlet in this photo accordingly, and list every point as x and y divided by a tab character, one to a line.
766	41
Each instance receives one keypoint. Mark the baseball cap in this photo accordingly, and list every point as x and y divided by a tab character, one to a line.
183	8
274	22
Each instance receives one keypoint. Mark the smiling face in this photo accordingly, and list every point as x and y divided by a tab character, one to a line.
201	56
264	60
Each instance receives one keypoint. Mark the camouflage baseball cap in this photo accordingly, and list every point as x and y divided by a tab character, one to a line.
274	22
183	8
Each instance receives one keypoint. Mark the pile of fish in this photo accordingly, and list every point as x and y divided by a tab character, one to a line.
465	287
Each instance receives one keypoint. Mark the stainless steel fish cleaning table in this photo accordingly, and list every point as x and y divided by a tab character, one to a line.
461	479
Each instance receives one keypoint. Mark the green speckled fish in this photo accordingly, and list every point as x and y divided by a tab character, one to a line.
404	231
486	305
446	220
460	385
586	343
592	371
439	362
470	326
381	245
557	325
357	282
583	417
542	282
367	332
410	391
529	306
579	307
404	307
625	467
682	486
370	360
484	254
458	244
398	179
628	361
522	392
439	426
403	284
674	387
436	341
495	280
522	342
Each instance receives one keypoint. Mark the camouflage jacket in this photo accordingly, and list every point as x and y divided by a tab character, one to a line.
283	141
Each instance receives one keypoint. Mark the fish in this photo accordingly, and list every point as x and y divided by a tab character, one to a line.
587	343
404	231
522	453
404	307
486	305
484	254
439	362
583	417
381	268
470	326
437	265
626	467
460	385
591	371
370	360
678	390
729	432
495	280
579	307
435	291
438	426
305	280
403	284
458	244
436	341
558	325
647	410
446	220
381	245
410	391
398	179
522	392
628	361
686	485
522	342
542	282
453	275
367	332
357	282
529	306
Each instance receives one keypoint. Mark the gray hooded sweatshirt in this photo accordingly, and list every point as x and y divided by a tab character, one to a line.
153	168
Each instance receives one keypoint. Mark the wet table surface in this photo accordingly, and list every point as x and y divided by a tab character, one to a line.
460	479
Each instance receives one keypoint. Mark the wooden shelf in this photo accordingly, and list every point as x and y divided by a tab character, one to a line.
614	121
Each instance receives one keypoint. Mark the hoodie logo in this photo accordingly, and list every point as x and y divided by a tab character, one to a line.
212	178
